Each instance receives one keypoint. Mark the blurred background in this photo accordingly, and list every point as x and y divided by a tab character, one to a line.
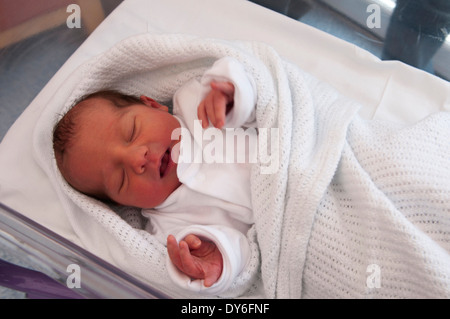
35	40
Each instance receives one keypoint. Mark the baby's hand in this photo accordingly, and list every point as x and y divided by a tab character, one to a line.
198	259
216	104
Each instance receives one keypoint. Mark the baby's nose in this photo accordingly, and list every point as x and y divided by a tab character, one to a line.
138	159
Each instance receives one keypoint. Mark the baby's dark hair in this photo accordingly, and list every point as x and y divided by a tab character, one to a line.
65	130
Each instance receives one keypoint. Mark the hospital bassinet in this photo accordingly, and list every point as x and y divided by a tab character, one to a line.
29	206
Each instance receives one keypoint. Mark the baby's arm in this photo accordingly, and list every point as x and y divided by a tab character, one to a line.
216	105
197	258
228	81
225	255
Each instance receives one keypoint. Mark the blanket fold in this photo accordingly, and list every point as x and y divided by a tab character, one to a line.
322	218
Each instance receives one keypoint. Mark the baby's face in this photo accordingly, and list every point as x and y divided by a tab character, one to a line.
124	154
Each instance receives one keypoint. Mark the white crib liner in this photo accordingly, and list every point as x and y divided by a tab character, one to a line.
387	90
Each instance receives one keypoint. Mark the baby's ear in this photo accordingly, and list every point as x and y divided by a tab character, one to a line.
152	103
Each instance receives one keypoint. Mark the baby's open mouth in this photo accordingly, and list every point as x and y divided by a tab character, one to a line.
164	163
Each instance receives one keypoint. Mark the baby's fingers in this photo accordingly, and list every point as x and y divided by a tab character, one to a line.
211	278
174	252
207	112
225	87
210	107
193	241
219	106
189	265
201	114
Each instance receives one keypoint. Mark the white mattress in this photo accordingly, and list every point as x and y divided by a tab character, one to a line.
387	90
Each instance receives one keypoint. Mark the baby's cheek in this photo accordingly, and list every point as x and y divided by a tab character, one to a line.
146	195
142	196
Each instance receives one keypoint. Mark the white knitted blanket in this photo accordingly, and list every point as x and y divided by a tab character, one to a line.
355	209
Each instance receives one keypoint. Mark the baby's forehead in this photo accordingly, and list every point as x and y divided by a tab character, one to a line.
97	126
110	104
93	113
94	102
97	107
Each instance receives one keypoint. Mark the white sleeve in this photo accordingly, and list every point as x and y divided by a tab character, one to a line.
230	70
235	251
189	96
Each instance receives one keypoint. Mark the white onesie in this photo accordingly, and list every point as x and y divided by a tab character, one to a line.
214	200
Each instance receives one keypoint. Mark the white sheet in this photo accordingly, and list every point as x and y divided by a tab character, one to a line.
389	90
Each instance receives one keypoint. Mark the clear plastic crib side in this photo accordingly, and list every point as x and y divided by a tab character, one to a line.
61	269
